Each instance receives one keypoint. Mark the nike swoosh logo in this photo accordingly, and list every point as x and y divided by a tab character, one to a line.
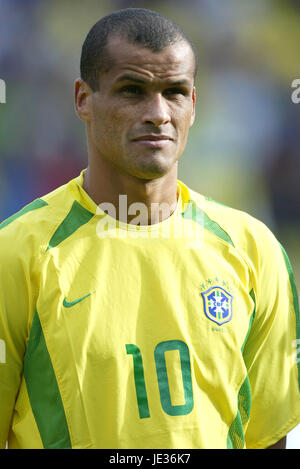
69	304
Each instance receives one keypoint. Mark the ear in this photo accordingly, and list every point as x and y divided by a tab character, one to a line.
194	102
82	96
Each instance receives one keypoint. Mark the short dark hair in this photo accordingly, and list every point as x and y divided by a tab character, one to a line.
140	26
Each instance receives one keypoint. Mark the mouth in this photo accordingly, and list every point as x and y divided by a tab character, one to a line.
153	140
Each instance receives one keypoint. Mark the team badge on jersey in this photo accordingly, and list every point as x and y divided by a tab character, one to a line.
217	304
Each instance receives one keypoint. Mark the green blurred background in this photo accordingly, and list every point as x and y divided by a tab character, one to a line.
244	148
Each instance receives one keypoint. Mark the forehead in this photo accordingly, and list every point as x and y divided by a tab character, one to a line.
176	60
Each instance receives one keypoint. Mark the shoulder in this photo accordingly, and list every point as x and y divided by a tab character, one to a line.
246	231
250	238
30	229
240	229
269	268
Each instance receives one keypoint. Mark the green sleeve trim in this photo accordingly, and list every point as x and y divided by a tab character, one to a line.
76	217
235	437
38	203
43	391
195	213
295	300
209	199
251	319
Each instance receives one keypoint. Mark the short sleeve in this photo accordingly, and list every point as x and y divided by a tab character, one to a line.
270	352
14	306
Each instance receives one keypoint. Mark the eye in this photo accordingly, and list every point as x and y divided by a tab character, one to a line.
132	89
175	92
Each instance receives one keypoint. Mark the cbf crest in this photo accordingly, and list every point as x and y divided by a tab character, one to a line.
217	304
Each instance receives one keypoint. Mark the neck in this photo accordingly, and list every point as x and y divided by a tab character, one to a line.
154	200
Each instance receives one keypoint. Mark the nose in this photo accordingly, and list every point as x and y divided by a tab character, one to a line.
157	111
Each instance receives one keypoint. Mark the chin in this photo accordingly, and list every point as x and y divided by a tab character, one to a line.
151	172
153	168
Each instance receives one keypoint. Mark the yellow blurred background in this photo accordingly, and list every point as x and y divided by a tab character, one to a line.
244	148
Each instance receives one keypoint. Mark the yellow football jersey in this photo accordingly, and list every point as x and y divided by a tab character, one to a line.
180	334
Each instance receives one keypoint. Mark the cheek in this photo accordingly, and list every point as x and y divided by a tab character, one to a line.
114	119
104	125
184	125
110	129
183	116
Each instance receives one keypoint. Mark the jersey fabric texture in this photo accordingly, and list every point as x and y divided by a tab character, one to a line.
180	334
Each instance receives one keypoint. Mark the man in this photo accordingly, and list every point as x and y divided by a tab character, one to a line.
136	313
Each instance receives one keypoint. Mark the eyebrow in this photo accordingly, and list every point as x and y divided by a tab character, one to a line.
140	80
130	78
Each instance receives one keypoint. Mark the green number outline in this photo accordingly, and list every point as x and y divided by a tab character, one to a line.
139	379
162	378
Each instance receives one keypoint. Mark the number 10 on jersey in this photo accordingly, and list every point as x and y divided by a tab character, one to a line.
162	378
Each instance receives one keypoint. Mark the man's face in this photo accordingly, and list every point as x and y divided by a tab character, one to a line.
141	115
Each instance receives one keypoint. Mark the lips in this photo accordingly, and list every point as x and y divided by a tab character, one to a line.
152	138
153	141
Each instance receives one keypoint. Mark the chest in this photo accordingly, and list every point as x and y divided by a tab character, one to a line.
97	301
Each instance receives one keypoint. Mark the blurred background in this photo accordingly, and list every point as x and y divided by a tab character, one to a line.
244	148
